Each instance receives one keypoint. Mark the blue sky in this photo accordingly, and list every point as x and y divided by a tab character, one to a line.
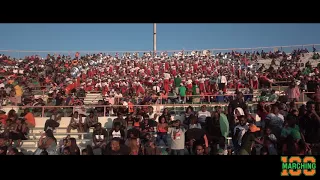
134	37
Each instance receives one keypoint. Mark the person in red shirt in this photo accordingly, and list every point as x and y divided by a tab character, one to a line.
3	118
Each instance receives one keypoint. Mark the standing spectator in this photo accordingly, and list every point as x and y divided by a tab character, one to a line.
196	137
177	136
162	130
30	120
275	120
182	93
310	124
240	130
202	115
222	82
18	93
238	102
293	92
248	139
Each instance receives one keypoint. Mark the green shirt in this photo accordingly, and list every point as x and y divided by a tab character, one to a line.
194	90
177	82
294	132
182	91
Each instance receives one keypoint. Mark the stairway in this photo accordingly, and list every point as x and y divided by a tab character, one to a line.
92	98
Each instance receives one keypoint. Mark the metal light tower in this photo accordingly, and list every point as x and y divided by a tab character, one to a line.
154	38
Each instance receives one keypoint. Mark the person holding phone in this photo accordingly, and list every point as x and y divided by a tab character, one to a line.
47	142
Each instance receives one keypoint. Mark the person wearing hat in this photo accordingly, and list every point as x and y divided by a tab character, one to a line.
248	139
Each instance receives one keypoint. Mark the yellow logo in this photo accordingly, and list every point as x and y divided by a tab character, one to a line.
296	166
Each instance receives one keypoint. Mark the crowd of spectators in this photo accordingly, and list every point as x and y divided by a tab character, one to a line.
284	128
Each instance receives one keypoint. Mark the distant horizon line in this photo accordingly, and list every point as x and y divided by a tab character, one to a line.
210	49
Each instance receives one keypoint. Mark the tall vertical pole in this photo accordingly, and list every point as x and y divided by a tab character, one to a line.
154	38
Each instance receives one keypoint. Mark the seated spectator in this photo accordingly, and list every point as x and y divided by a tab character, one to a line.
44	153
166	115
129	120
87	151
3	146
73	147
53	122
13	151
117	132
90	121
135	131
145	127
3	119
117	149
134	147
47	142
66	151
120	120
151	149
194	123
63	145
76	123
100	110
100	137
18	131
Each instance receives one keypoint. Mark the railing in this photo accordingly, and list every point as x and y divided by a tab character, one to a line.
23	53
176	109
208	97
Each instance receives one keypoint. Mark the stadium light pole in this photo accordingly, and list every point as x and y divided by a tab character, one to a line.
154	38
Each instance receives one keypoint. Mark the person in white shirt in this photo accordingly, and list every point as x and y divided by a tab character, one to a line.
117	96
203	114
156	88
240	129
275	120
166	75
222	82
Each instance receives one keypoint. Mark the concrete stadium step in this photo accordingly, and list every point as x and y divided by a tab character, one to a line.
92	98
